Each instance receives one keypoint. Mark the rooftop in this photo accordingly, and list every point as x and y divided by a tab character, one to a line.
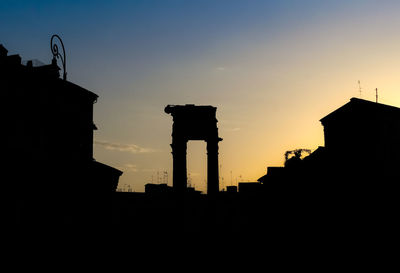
360	106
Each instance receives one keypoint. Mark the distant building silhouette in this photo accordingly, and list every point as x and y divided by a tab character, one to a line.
231	189
362	143
249	187
273	174
47	136
157	188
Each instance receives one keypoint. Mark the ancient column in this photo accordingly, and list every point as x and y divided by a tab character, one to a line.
179	177
212	167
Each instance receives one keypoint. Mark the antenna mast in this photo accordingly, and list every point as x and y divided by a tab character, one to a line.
165	177
376	94
189	180
359	87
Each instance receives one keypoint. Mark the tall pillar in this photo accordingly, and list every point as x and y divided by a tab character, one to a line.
179	174
212	167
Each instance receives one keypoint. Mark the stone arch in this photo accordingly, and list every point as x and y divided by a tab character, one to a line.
193	122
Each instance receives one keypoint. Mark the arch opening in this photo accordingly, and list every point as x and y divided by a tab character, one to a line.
197	165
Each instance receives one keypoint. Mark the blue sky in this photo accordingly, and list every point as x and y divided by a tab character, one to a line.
273	69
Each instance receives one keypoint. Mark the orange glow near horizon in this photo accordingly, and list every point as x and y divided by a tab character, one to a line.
259	119
272	68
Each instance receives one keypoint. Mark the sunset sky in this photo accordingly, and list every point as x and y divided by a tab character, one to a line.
272	68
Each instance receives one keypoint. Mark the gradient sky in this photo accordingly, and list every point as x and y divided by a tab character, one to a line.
273	69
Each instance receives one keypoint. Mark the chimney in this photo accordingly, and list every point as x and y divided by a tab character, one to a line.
54	61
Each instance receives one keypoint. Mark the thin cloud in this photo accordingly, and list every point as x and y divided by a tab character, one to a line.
131	148
130	168
232	129
133	168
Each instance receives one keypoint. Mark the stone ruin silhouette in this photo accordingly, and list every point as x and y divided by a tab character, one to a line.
193	122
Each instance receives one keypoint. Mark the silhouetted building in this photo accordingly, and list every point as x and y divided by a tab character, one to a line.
250	187
362	139
274	174
157	188
365	137
47	136
231	189
359	164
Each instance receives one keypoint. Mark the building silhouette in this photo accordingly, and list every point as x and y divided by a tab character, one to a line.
51	178
365	136
350	184
362	146
344	188
47	136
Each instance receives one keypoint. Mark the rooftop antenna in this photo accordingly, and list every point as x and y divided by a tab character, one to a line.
359	87
376	94
220	175
165	178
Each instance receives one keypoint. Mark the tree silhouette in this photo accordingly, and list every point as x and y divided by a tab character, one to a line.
295	155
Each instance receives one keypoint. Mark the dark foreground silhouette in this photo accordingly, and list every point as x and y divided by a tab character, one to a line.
48	169
347	190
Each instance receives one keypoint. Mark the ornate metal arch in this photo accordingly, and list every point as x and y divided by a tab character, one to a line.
56	53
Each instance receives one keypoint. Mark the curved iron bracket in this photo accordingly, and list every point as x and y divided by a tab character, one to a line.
56	53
